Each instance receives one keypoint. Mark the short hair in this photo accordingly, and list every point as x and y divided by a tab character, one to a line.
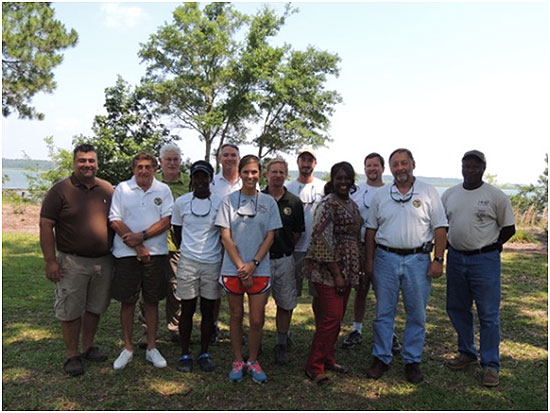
83	147
374	155
170	147
144	156
348	170
277	160
231	145
245	160
401	150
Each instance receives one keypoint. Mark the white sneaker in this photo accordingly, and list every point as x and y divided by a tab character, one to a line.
156	358
124	358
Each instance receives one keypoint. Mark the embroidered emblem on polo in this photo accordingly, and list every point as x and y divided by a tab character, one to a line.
158	201
262	208
417	203
287	211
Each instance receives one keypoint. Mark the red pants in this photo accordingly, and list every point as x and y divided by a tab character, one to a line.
331	310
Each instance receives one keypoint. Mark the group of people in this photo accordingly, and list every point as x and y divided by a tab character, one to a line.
150	239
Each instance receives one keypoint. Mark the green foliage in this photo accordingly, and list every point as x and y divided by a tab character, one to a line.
128	128
523	236
534	194
31	41
40	181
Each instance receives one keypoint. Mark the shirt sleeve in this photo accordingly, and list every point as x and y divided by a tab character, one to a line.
321	247
438	217
115	213
177	210
51	206
274	216
167	203
223	219
505	212
372	219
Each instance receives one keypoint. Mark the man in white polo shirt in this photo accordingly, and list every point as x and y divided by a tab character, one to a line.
481	219
404	219
140	215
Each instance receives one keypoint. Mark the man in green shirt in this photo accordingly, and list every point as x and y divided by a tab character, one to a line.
170	174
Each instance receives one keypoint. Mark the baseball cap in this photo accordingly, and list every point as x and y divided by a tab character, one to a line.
202	166
477	154
307	149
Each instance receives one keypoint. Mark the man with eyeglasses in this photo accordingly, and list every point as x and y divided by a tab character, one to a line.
310	190
170	174
405	220
374	168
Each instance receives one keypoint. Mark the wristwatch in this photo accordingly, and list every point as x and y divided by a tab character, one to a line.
439	259
145	236
256	262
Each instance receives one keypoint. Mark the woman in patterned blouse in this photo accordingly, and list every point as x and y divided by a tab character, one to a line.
333	265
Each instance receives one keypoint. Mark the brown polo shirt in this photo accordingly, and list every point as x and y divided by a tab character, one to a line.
81	216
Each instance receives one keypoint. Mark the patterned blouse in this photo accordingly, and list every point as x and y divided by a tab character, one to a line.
335	237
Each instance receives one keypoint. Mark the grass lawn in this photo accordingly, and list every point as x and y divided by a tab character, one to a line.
33	353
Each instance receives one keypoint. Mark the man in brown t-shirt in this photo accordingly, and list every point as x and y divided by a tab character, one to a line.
74	220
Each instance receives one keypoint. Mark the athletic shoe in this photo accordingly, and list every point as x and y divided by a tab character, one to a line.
206	363
185	364
256	371
490	377
124	358
352	339
237	369
156	358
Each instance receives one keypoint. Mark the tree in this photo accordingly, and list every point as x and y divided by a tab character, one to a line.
207	81
535	195
128	128
31	42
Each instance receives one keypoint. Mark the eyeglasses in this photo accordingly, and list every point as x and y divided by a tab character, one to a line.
245	209
401	200
201	215
314	196
365	199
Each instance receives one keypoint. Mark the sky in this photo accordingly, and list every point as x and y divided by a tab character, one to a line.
438	78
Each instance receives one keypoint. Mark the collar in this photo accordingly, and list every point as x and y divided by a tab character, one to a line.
283	197
76	182
133	184
160	178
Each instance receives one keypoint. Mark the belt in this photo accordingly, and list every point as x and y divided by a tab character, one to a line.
277	255
488	248
86	256
402	251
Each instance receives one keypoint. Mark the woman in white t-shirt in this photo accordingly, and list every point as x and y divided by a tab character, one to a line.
193	219
247	221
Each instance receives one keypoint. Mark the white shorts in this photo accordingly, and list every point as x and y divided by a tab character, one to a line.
197	279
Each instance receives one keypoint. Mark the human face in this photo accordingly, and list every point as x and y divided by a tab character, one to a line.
201	183
276	175
342	183
250	173
472	171
170	163
306	164
229	158
85	165
374	171
401	167
144	172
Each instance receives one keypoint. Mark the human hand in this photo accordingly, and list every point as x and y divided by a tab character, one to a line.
53	271
133	239
143	253
435	270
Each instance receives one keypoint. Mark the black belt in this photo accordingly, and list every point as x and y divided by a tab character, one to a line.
402	251
488	248
275	255
85	256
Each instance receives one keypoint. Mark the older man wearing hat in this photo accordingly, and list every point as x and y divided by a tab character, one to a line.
480	219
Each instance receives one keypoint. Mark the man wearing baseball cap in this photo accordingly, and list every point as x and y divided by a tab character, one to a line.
481	219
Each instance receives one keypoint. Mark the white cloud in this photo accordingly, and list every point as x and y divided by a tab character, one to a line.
119	16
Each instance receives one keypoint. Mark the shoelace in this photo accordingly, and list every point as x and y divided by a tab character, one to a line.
256	367
237	367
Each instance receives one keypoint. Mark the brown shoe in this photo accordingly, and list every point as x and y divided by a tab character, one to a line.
338	368
377	369
73	366
490	377
413	373
460	362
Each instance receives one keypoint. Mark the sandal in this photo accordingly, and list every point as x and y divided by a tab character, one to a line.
73	366
320	379
338	368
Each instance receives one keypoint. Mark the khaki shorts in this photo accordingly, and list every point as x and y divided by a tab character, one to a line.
84	286
133	276
283	283
198	279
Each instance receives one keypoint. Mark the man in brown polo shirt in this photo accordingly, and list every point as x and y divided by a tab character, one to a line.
73	220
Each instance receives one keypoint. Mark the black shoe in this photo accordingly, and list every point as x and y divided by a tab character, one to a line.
377	368
205	363
93	354
73	366
352	339
413	373
395	345
185	364
281	356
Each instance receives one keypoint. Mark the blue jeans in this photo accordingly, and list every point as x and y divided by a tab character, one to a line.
408	274
475	278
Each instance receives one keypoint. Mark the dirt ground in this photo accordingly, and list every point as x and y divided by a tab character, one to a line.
17	219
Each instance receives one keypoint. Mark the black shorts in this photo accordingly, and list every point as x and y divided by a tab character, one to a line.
133	276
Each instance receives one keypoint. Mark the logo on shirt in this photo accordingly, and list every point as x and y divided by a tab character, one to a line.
157	201
417	203
287	211
262	208
482	202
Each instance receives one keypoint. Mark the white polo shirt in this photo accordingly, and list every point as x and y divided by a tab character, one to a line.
311	195
222	187
406	224
363	198
139	210
476	216
200	237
